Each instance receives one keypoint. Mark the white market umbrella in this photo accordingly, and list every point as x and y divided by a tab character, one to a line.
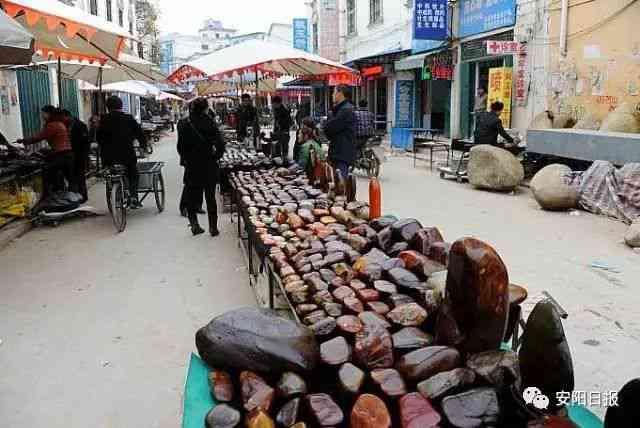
135	87
167	96
16	43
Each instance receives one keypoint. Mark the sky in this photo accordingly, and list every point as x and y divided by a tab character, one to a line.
247	16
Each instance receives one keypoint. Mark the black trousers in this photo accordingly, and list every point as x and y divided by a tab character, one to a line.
194	194
184	202
283	146
59	167
80	162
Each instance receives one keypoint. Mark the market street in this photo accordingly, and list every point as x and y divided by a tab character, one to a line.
97	328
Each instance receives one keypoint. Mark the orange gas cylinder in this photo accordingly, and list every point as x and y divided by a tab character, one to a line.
375	199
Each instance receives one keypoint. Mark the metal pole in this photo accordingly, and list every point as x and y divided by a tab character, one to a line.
564	24
257	125
100	91
59	76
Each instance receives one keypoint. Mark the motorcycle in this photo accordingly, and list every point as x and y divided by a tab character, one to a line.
370	157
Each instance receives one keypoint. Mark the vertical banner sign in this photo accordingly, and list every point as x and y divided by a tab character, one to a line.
500	82
522	77
430	20
478	16
404	104
301	34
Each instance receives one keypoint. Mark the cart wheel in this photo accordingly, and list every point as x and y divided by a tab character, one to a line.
442	175
118	207
158	190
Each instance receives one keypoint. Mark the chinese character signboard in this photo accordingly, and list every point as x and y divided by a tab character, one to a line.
438	66
503	47
478	16
430	20
301	34
500	81
522	77
404	104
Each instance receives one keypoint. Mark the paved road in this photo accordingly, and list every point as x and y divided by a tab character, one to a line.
543	251
97	327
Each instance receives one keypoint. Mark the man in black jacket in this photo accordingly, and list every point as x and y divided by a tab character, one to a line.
116	134
340	130
281	128
489	126
247	116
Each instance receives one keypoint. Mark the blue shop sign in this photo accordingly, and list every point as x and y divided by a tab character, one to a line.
430	20
301	34
404	104
479	16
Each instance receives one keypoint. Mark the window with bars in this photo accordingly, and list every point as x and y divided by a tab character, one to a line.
93	7
375	11
351	17
109	10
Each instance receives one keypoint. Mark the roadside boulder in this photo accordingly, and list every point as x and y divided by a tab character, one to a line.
632	237
552	190
493	168
259	340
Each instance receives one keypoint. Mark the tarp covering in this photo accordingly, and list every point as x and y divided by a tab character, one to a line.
609	191
167	96
16	43
67	32
135	87
269	58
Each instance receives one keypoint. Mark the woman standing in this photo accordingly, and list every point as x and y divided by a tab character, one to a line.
200	146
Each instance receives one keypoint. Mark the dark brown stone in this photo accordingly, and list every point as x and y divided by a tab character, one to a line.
478	289
390	382
258	418
353	304
370	412
343	292
413	261
426	237
385	287
356	284
256	394
447	329
545	357
223	416
423	363
350	378
475	408
291	385
314	317
333	309
409	315
335	351
368	295
417	412
379	308
405	280
446	383
405	230
305	308
411	338
500	368
221	385
325	411
399	299
374	348
439	252
324	327
349	324
288	415
259	340
369	317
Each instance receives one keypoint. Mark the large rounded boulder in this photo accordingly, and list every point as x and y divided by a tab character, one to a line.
493	168
552	190
257	340
632	237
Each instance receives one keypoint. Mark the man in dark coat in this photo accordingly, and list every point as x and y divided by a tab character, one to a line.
79	134
116	134
200	146
489	126
340	130
281	128
247	116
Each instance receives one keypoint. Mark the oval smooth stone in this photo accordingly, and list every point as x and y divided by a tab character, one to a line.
413	260
335	351
350	378
423	363
385	287
356	284
379	308
259	419
349	324
426	237
288	414
417	412
305	309
333	309
374	348
343	292
314	317
327	220
291	384
326	412
353	304
369	317
256	394
370	412
368	295
411	338
223	416
221	385
474	408
410	315
390	382
324	327
445	383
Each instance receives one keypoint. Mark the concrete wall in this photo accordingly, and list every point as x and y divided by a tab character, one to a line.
10	124
602	67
